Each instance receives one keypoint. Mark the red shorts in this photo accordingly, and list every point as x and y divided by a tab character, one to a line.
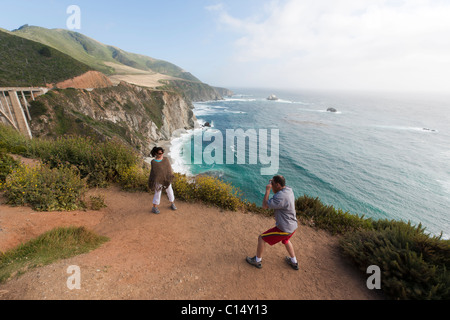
275	235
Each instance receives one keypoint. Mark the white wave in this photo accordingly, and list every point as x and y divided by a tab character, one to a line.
285	101
176	152
207	109
406	128
241	99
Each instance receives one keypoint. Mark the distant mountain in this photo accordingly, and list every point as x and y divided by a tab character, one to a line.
29	63
105	58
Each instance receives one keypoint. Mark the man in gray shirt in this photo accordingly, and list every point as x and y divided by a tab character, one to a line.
283	203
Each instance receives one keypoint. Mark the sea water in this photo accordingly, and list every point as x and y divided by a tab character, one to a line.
380	155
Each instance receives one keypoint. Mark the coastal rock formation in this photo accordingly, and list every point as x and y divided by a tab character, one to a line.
331	110
196	91
137	116
273	98
224	92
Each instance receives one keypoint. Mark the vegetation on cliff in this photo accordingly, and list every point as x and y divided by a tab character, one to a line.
26	63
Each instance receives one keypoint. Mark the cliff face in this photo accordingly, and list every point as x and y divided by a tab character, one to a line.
138	116
196	91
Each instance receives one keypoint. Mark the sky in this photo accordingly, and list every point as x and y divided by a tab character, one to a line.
381	45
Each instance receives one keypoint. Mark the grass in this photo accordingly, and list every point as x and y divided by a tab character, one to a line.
28	63
57	244
95	54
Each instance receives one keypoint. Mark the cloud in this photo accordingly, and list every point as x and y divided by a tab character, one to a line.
343	44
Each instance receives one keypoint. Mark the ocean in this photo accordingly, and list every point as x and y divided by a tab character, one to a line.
384	156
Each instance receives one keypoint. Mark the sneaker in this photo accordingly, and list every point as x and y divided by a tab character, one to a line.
293	265
173	207
253	262
155	210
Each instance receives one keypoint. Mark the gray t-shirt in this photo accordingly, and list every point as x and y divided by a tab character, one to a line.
283	202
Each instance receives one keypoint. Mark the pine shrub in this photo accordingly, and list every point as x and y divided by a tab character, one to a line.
413	264
327	217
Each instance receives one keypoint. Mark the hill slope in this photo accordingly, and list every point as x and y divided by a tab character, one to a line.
29	63
98	55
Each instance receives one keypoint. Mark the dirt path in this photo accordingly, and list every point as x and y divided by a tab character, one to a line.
195	253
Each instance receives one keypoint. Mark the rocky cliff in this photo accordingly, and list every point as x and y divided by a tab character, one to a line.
138	116
196	91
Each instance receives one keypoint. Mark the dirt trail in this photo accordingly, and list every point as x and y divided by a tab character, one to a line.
195	253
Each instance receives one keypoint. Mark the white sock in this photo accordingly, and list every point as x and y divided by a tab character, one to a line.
294	260
258	259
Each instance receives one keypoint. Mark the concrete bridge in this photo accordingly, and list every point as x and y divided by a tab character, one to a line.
14	107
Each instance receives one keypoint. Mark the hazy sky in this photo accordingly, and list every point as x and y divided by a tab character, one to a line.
307	44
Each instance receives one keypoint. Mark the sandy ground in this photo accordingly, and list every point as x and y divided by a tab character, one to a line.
136	76
195	253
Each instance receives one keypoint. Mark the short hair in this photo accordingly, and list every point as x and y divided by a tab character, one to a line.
155	151
280	180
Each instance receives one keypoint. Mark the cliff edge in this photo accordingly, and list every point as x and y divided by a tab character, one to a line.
138	116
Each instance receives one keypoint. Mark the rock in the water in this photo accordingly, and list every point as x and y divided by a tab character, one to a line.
331	110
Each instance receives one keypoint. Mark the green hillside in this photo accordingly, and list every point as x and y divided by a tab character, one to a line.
95	54
28	63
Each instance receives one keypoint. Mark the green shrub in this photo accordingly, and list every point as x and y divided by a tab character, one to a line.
100	163
413	264
327	217
13	141
37	109
45	188
7	165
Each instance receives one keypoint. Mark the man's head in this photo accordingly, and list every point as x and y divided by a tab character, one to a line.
278	183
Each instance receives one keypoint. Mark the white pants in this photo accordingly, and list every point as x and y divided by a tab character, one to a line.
157	197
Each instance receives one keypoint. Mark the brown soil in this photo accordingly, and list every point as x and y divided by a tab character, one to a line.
88	80
195	253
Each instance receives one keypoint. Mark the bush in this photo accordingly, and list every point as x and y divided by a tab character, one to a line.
46	189
7	165
327	217
12	141
134	178
413	264
97	203
208	189
100	163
